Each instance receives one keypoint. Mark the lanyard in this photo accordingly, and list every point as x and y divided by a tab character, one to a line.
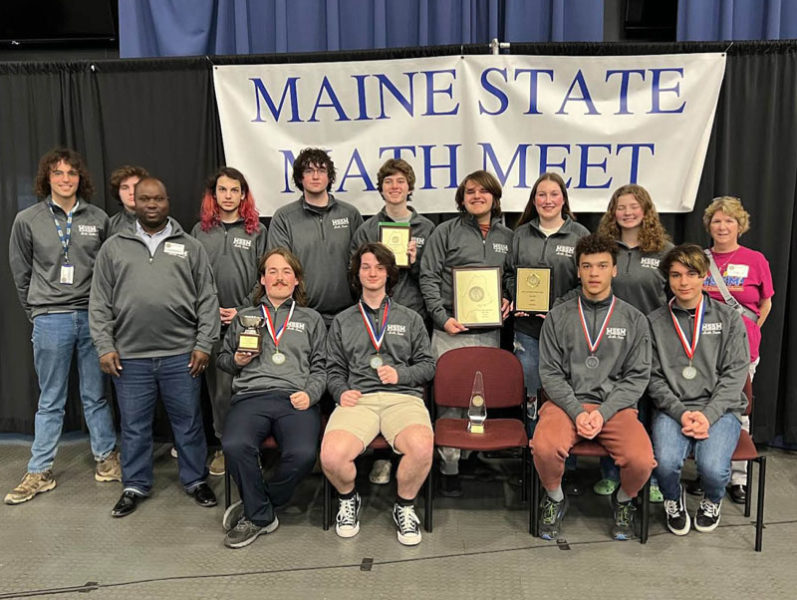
64	237
593	346
376	340
270	324
700	313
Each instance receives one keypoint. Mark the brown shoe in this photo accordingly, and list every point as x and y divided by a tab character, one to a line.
31	484
217	464
109	469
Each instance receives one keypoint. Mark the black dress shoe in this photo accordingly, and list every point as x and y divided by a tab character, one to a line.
450	486
128	503
738	493
203	495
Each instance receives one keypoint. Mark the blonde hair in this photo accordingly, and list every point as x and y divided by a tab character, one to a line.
731	206
652	236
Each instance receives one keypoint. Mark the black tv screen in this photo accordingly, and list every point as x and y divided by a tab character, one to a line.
44	21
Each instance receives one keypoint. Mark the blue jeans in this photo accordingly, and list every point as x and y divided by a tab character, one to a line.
527	349
55	339
712	455
137	388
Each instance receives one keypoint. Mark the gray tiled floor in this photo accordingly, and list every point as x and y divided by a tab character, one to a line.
171	548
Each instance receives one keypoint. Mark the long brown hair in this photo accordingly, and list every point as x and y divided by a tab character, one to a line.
299	293
530	212
48	162
652	236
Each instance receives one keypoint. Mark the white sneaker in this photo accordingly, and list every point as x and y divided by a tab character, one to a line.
408	525
380	472
348	520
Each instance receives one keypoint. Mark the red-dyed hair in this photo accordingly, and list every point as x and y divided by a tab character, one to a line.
209	213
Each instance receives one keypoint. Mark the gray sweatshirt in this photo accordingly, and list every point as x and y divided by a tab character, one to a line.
146	306
234	256
122	221
408	288
532	248
458	243
304	347
35	255
722	360
321	238
639	280
624	354
405	346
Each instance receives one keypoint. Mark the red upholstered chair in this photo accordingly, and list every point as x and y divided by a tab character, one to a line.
502	375
582	448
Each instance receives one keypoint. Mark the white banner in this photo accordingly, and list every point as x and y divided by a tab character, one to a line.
600	121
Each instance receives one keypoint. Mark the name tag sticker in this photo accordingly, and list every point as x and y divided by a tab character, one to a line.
174	249
738	270
67	274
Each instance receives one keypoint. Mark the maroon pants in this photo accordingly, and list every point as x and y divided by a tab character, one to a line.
623	436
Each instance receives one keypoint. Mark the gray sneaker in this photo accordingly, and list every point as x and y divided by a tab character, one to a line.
31	484
232	515
246	532
624	519
552	515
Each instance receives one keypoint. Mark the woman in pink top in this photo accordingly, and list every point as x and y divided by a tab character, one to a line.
749	281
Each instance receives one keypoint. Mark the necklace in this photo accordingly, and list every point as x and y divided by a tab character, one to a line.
727	262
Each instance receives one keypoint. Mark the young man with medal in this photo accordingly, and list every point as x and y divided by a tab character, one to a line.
235	239
154	318
594	365
700	365
379	361
52	250
276	352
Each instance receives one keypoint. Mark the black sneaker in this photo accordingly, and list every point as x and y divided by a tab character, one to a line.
348	520
408	525
708	515
678	520
552	515
246	532
694	487
624	519
450	486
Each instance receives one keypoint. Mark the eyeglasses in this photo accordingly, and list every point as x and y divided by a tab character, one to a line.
309	171
71	173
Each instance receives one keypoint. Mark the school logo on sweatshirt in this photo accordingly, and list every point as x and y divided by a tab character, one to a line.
649	263
396	329
712	329
242	243
296	326
88	230
342	223
563	250
500	248
616	333
419	241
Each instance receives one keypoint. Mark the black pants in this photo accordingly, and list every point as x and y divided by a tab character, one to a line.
250	421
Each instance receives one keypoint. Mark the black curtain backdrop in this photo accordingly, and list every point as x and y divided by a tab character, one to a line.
161	114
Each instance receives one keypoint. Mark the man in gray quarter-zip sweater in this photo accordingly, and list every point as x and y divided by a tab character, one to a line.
235	240
154	318
123	185
379	359
51	251
700	366
318	229
594	367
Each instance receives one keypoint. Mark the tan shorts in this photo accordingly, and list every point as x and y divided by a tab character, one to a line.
379	412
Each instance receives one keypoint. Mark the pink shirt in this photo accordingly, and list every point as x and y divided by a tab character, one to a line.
746	273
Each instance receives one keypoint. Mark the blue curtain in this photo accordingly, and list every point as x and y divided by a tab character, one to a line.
150	28
710	20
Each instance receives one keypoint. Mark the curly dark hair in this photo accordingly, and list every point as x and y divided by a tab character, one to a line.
383	255
299	294
312	157
595	243
48	162
489	183
122	173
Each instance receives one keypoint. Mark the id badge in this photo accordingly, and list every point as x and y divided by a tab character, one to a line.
67	274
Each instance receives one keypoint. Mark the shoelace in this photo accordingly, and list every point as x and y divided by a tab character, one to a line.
550	508
347	512
408	520
672	507
708	508
624	512
243	524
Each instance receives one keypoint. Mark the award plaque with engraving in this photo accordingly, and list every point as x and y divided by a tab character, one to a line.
477	296
250	339
533	289
477	411
396	236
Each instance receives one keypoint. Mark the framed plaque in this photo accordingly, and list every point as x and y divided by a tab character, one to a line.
533	289
477	296
396	236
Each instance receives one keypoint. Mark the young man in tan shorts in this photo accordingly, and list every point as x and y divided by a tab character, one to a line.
379	358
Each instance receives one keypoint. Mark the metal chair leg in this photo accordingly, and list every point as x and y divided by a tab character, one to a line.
227	486
645	523
427	518
747	496
759	513
327	502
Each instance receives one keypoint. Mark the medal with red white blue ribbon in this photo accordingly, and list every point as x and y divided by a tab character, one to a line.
593	361
278	357
690	372
376	340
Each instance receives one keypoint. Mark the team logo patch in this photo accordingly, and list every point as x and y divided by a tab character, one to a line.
712	329
242	243
650	263
396	329
616	333
500	248
88	230
342	223
296	326
563	250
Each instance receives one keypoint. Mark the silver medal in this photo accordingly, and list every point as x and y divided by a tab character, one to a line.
592	362
278	358
689	372
376	362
